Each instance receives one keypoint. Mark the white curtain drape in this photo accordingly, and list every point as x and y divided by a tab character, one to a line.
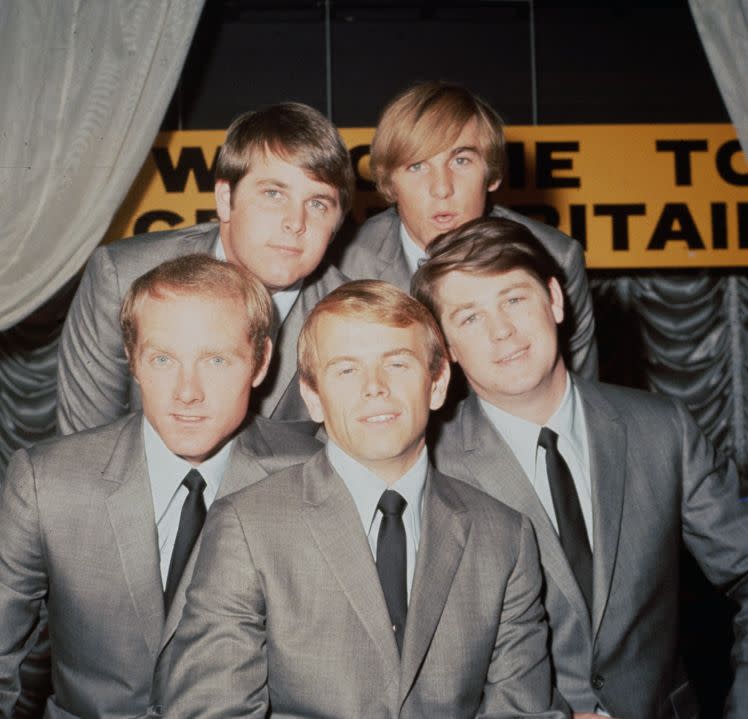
85	84
723	29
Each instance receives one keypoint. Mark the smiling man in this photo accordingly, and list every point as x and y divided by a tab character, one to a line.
364	583
437	151
102	525
615	481
283	184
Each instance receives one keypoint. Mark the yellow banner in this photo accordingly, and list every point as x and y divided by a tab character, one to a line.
635	196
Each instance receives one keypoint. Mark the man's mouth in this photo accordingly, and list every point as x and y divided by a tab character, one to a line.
380	418
512	356
188	418
290	250
444	218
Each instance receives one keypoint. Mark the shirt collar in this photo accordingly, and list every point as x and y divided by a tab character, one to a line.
366	488
166	470
522	435
414	254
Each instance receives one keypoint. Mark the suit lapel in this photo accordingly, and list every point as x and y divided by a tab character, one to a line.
445	530
283	364
497	471
607	446
335	525
130	509
244	468
390	258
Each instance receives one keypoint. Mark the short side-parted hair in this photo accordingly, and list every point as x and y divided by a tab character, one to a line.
427	119
484	246
202	276
296	133
371	301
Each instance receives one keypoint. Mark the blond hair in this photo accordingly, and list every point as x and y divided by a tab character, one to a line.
370	301
427	119
202	276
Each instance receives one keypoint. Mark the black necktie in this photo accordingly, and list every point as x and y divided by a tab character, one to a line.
571	527
190	523
392	561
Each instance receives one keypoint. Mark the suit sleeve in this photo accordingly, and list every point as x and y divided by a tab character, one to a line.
715	531
218	662
23	578
518	683
93	376
582	345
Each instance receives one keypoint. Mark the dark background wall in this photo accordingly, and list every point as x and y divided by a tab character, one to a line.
535	62
544	62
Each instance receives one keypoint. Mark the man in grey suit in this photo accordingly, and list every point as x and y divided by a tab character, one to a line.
437	151
289	615
101	524
615	481
283	184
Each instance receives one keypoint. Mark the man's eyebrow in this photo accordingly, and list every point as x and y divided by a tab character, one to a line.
399	351
332	199
340	359
272	181
463	148
503	291
460	308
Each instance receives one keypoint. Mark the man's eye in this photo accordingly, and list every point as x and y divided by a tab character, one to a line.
218	361
469	319
462	160
272	194
318	205
415	167
160	360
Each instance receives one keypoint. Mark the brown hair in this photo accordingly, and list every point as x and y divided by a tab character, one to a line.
484	246
294	132
202	276
425	120
373	301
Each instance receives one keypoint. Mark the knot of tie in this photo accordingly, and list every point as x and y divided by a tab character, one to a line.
194	481
391	503
547	439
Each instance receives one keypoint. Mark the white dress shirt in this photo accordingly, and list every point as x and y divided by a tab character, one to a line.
166	472
414	254
569	424
366	489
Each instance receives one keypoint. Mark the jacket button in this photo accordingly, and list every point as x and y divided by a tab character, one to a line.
598	681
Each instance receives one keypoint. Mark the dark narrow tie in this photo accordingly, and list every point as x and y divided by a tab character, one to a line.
569	518
392	561
190	523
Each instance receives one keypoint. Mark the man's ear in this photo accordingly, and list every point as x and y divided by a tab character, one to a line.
312	402
131	366
494	185
439	386
557	300
262	370
222	191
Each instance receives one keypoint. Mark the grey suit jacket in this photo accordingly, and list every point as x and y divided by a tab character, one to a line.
377	253
77	527
290	620
656	482
94	382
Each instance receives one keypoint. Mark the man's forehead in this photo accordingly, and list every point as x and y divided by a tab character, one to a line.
451	287
433	144
336	326
267	156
